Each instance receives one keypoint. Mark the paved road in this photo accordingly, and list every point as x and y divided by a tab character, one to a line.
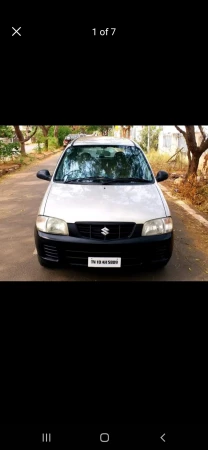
20	197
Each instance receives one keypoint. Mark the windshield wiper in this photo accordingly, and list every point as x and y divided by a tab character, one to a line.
130	179
75	180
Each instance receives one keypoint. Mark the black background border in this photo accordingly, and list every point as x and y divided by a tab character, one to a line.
162	325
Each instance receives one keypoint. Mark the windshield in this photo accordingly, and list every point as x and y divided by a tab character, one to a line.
91	163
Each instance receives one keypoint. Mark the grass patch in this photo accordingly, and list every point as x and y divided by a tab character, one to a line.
31	157
162	161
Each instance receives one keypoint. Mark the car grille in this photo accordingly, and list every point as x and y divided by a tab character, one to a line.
130	255
105	231
50	252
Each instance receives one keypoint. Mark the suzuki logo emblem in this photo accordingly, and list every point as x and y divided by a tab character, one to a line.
105	231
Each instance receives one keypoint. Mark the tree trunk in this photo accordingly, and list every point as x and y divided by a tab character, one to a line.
22	148
45	130
194	151
122	132
45	134
20	139
56	131
46	140
193	165
128	132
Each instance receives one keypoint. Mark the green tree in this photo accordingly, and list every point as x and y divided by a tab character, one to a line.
104	129
9	150
153	137
76	129
45	129
56	127
39	138
22	139
90	129
63	131
6	131
194	150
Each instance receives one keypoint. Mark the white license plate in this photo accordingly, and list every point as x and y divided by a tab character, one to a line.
104	262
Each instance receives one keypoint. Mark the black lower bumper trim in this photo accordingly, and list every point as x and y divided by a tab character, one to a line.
133	252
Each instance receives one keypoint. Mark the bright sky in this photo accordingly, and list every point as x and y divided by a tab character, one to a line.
172	129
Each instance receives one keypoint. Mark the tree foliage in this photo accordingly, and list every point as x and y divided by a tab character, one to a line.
90	129
63	131
45	129
194	150
40	138
153	137
104	129
6	131
9	150
55	131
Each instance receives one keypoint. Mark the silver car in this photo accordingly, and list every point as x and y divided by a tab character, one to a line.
103	208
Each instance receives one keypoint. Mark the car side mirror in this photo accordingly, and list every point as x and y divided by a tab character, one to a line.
161	176
44	175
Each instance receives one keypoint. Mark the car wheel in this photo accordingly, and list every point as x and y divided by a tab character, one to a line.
44	263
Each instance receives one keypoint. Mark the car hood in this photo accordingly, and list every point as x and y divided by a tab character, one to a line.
113	203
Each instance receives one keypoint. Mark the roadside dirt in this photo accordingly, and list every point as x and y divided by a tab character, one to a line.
198	232
5	167
194	192
11	167
196	196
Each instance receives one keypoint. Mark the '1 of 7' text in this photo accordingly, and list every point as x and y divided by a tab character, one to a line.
105	32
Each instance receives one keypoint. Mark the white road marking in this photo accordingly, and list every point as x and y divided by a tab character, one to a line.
187	208
35	252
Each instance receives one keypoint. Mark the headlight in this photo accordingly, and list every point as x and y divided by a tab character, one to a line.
157	226
52	225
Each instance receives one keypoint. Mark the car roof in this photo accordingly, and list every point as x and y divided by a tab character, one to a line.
102	140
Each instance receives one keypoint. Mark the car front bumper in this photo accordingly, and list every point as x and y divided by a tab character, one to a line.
133	251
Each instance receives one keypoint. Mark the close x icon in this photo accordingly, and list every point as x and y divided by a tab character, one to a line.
16	31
